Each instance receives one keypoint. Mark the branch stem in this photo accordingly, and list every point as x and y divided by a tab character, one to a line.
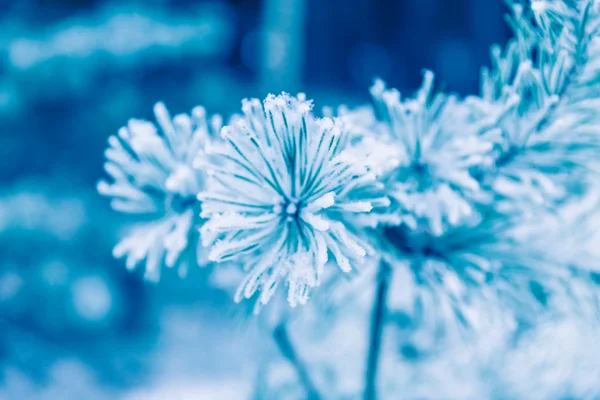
282	339
377	322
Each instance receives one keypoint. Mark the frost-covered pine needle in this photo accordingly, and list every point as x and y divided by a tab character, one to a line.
282	196
545	88
437	150
152	175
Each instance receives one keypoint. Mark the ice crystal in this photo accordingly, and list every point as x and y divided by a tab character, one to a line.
152	174
361	121
282	195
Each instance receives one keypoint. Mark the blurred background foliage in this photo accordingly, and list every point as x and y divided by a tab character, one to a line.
73	322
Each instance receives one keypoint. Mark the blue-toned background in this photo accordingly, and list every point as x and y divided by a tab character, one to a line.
74	324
